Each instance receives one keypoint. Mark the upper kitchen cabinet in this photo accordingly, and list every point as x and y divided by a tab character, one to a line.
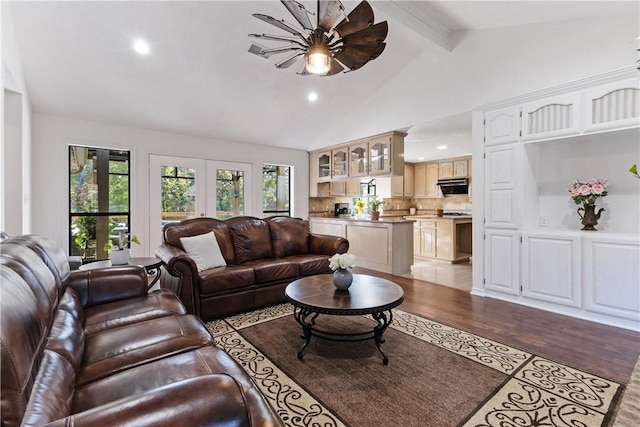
461	168
552	117
502	126
323	166
432	174
339	163
359	159
386	154
612	106
445	170
420	180
408	187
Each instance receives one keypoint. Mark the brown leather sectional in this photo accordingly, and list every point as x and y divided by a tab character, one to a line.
93	348
262	256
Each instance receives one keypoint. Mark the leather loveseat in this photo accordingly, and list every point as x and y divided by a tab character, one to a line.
262	256
92	348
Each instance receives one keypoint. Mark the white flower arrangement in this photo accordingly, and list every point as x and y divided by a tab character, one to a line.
342	261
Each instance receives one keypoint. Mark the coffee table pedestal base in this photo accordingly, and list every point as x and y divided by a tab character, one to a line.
306	318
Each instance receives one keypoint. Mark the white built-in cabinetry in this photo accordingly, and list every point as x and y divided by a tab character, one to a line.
533	250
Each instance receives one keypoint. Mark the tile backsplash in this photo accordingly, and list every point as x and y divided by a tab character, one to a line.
320	205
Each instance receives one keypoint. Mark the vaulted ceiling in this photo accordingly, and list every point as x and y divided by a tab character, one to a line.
199	78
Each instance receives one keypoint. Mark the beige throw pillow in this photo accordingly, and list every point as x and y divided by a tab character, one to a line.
204	250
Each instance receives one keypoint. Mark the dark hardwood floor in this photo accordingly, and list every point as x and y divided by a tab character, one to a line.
592	347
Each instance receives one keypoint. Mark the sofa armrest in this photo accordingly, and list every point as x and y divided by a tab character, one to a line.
183	278
215	399
327	245
103	285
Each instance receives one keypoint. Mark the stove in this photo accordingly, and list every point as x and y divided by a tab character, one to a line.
456	214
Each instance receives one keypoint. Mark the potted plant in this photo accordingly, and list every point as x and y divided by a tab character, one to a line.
120	252
374	206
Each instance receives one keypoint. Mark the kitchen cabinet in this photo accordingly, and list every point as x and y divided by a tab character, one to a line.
552	117
445	170
339	163
408	181
432	174
420	180
337	188
612	106
378	245
461	168
353	188
502	126
323	166
502	261
502	184
446	239
559	281
359	159
380	156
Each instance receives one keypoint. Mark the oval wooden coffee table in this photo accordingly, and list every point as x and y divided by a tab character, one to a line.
315	295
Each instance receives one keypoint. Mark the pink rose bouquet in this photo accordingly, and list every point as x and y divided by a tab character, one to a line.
588	191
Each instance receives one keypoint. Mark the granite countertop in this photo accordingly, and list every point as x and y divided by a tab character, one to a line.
383	220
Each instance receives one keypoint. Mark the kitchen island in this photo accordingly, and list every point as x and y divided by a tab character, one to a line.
446	238
384	245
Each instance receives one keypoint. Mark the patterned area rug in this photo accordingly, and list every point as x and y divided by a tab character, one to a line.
437	376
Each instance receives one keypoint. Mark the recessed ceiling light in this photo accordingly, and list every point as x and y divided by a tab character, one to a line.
312	96
141	46
420	158
441	147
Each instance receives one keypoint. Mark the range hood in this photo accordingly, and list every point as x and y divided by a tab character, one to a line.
454	186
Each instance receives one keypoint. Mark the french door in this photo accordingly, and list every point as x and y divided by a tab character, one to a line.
182	188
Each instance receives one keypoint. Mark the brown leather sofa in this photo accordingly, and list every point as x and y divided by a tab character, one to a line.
92	348
263	256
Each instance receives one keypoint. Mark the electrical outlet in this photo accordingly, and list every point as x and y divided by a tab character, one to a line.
544	221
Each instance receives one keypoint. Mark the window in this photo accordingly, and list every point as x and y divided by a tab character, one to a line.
276	190
99	203
178	193
229	193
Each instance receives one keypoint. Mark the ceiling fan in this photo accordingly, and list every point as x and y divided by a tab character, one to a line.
339	42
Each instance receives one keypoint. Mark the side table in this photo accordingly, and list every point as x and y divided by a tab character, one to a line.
150	265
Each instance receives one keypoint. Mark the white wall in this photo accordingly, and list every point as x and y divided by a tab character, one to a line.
490	65
52	135
15	149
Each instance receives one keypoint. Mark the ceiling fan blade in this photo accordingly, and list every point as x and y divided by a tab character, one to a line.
280	23
355	56
358	19
299	12
302	70
281	50
287	62
329	12
336	67
370	35
277	38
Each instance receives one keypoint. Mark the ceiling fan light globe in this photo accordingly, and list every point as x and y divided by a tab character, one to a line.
318	62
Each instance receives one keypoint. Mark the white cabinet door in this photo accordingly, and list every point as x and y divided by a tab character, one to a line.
551	268
502	126
502	261
610	272
502	198
612	106
552	117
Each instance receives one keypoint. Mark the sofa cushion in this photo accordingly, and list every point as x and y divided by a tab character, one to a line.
226	278
311	264
270	270
67	338
156	304
204	250
172	233
251	239
121	348
289	236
